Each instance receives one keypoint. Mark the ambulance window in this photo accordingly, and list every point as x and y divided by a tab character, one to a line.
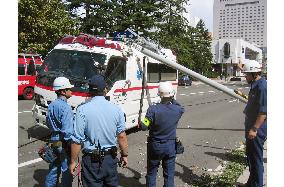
153	72
80	64
167	73
160	72
100	58
116	69
21	69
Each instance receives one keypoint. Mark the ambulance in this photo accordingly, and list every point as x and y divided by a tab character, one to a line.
132	77
28	65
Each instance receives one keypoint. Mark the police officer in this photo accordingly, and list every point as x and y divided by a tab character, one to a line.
98	126
60	122
255	122
162	120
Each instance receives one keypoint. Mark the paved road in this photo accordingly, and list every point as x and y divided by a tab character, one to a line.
211	125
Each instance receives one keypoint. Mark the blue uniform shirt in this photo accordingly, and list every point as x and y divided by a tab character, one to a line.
257	103
60	119
163	120
98	121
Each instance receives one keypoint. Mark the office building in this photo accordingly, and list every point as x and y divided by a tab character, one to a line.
241	19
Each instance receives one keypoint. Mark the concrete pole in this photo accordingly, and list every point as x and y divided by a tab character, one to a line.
189	72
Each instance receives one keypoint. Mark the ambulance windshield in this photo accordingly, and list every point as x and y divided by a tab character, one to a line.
116	70
79	64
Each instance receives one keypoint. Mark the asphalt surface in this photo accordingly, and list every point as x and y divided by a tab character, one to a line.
211	125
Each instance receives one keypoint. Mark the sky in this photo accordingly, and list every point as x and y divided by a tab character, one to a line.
204	10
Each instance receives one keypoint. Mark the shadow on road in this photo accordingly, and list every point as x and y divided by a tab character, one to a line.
130	181
39	176
228	157
211	147
222	156
38	132
187	176
211	129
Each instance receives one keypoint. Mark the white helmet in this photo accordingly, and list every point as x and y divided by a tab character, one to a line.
251	66
166	89
61	83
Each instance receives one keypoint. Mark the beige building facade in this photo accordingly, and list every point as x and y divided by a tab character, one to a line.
241	19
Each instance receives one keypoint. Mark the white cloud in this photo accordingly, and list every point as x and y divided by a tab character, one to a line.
204	10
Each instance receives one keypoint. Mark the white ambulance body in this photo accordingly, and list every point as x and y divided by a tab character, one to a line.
125	67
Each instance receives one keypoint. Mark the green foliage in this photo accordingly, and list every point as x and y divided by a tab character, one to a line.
202	56
192	45
172	31
233	170
212	74
42	23
108	16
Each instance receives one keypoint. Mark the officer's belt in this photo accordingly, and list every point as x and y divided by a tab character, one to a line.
150	139
102	152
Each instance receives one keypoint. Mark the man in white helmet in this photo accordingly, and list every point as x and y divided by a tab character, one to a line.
162	120
255	122
60	122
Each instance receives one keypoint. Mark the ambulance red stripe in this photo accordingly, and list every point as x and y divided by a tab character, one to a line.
88	95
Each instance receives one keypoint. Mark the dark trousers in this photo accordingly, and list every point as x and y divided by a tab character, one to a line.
161	151
60	165
95	174
254	152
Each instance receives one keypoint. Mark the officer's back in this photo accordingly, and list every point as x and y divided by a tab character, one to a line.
99	125
165	120
161	120
103	125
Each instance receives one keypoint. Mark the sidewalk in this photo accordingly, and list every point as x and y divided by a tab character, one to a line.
244	177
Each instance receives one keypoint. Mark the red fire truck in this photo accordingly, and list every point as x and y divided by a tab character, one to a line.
28	64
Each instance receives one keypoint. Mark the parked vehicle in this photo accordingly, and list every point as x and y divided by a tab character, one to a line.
184	80
28	64
236	79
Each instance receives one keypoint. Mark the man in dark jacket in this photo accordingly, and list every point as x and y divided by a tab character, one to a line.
255	122
162	120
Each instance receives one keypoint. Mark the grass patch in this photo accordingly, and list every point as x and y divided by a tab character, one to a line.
233	169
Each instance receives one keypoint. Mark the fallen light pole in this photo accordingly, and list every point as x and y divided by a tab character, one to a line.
183	69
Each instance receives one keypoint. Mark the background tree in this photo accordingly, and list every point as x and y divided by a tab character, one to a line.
173	31
108	16
202	56
41	23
